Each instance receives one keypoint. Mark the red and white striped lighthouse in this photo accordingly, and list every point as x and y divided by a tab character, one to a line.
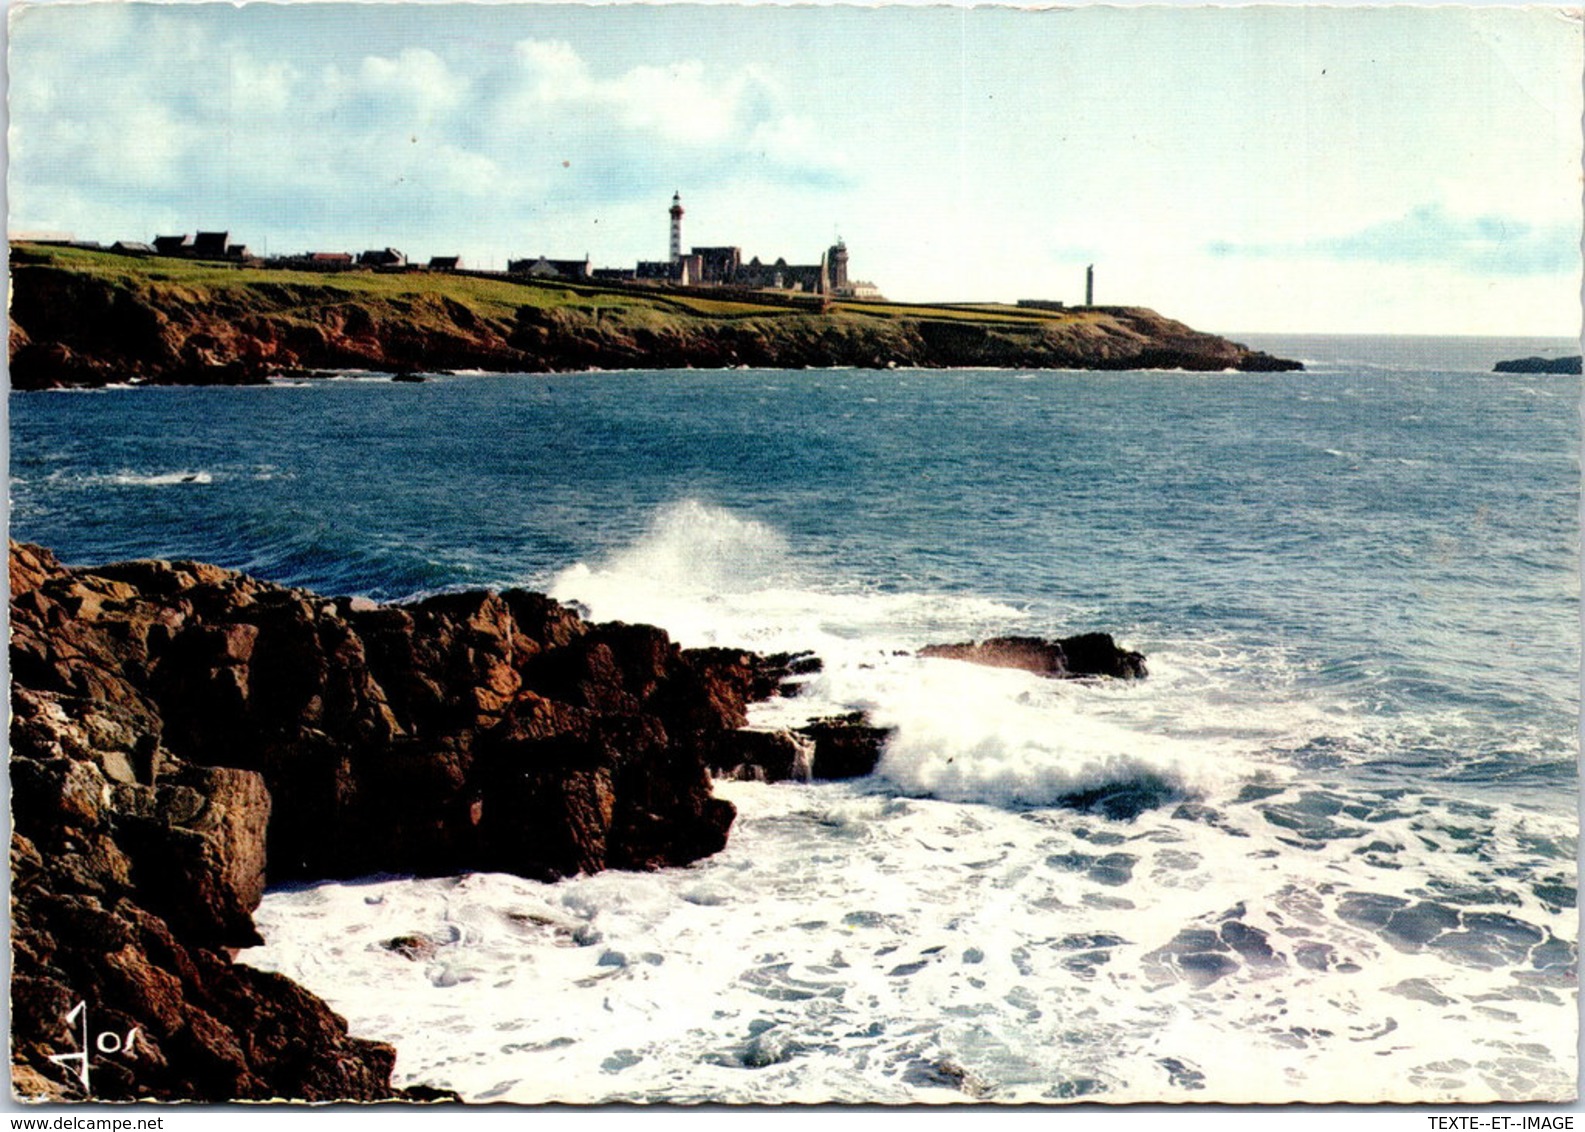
676	227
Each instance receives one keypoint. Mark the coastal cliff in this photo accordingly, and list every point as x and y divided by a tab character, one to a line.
86	318
182	734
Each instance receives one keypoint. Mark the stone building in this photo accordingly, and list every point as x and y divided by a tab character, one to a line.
205	245
543	268
210	245
724	266
382	257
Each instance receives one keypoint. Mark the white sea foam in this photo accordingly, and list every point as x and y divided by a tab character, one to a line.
711	577
164	479
941	932
129	478
1209	716
702	549
962	732
848	946
965	733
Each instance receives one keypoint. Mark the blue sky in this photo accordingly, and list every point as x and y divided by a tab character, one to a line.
1411	170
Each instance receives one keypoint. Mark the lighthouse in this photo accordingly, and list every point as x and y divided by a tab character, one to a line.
676	227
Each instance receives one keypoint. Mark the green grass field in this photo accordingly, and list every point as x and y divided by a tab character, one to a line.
201	281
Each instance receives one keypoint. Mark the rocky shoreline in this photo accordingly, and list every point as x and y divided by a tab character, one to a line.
78	323
182	735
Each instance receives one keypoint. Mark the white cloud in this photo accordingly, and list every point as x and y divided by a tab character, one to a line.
415	79
262	89
792	140
677	103
961	154
1491	245
554	70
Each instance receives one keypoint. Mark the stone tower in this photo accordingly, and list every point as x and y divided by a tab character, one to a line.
838	257
676	227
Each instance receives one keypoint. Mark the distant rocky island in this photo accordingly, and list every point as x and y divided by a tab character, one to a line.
81	317
1539	365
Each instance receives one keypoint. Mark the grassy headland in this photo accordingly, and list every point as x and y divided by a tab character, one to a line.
84	317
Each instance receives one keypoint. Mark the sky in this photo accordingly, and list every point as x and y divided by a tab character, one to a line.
1306	169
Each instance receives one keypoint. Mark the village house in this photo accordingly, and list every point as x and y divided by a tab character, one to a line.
205	245
543	268
720	265
382	257
210	245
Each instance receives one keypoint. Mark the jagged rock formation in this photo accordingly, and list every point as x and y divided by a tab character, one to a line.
1088	654
828	749
124	320
182	733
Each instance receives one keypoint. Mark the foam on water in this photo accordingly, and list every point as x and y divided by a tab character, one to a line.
969	734
694	552
710	577
1214	713
962	732
1271	928
850	946
128	478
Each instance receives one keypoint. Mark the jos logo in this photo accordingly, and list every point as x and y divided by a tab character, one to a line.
106	1041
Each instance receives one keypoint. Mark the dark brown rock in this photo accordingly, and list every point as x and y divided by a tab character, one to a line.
764	756
131	870
752	677
197	845
1088	654
207	1029
180	733
417	947
1097	654
845	746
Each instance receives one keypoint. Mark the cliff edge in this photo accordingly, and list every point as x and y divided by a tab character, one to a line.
84	318
182	734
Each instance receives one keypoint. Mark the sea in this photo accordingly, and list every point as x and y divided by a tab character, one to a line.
1357	589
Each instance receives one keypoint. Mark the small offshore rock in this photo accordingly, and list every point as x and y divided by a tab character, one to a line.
1087	654
845	746
1570	365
